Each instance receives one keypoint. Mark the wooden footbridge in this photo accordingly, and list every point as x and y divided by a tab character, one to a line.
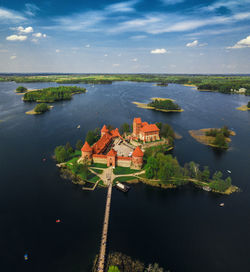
101	261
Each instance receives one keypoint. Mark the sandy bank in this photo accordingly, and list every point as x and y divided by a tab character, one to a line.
243	108
32	112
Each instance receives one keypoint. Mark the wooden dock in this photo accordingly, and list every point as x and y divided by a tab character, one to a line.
102	255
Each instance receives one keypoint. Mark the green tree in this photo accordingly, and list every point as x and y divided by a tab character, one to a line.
152	168
220	141
21	89
248	104
113	268
40	108
154	268
79	144
69	148
61	154
205	174
125	128
90	138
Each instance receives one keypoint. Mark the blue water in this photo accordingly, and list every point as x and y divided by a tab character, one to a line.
182	229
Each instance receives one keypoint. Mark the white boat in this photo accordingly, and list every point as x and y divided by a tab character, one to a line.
122	187
229	171
222	204
78	126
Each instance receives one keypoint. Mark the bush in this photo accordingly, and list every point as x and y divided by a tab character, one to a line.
248	104
40	108
220	141
164	105
79	144
21	89
61	154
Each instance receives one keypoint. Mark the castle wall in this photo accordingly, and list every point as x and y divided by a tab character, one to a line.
123	163
100	159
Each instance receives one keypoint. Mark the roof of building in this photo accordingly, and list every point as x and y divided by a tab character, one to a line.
137	120
104	129
137	152
150	128
86	147
112	153
102	143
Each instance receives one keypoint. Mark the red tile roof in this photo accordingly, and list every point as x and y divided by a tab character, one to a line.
137	152
137	120
86	147
102	143
112	153
104	129
150	128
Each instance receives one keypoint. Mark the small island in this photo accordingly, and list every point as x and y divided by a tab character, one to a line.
244	107
52	94
21	89
160	104
162	84
108	157
218	138
39	109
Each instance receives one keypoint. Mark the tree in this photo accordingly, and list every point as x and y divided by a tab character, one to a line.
154	268
69	148
21	89
41	108
220	141
248	104
79	144
90	138
151	168
113	268
194	169
125	128
61	154
205	174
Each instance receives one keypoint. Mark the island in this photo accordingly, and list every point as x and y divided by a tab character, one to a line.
244	107
214	137
21	89
160	104
52	94
140	155
40	109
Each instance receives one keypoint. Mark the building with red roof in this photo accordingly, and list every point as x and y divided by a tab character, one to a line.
102	151
144	131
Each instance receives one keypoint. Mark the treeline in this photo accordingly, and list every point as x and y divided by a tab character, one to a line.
63	153
53	94
248	104
83	80
164	104
168	171
41	108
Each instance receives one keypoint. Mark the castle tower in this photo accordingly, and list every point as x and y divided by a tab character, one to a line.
137	124
87	152
137	158
104	130
111	158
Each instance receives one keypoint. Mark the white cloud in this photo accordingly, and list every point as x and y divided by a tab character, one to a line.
159	51
134	60
23	30
4	51
138	37
58	50
122	7
31	9
13	57
16	38
87	45
116	65
37	35
9	15
44	35
244	43
105	55
192	44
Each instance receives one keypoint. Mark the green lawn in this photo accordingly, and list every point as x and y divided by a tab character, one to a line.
124	170
124	179
99	165
98	171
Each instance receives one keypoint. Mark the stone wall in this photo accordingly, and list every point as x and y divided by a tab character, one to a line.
99	160
123	163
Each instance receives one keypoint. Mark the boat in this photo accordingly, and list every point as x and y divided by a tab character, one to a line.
222	204
58	221
26	257
120	186
229	171
78	126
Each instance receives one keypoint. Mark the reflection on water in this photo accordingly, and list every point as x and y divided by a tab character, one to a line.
182	229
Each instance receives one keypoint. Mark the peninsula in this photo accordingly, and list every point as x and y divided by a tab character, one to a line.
244	107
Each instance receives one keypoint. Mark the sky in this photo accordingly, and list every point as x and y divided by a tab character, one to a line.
135	36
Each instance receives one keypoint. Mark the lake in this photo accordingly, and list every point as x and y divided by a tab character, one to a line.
182	229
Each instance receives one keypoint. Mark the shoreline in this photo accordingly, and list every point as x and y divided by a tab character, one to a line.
243	108
32	112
